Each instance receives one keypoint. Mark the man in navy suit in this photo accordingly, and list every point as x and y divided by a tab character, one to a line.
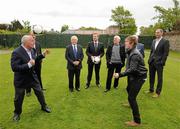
74	56
94	49
22	63
157	60
139	46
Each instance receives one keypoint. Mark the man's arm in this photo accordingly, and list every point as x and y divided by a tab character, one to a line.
102	51
67	55
133	66
143	50
151	52
16	64
81	54
166	52
88	50
108	54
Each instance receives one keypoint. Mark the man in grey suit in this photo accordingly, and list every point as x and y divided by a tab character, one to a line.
157	59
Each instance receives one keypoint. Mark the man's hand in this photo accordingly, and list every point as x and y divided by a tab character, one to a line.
76	63
92	58
46	52
32	62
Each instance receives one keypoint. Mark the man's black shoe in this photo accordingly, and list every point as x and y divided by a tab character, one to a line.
46	109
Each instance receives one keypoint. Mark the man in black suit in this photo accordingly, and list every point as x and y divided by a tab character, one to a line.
37	68
22	63
74	56
94	51
115	58
157	59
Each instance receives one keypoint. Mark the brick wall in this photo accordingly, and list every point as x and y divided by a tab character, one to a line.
174	40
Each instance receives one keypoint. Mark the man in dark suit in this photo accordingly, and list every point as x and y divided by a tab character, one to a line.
74	56
139	46
115	58
95	50
37	68
22	63
157	59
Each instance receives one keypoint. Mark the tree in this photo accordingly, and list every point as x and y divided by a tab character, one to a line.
176	26
168	17
123	18
147	30
64	28
16	25
26	25
150	30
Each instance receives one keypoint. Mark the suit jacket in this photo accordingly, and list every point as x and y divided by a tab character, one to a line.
38	48
121	52
159	55
140	47
70	57
38	52
90	51
24	77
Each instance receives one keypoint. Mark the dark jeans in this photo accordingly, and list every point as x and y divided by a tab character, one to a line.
111	69
90	71
133	89
71	74
153	68
19	97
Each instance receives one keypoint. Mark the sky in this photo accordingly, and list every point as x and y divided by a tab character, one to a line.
77	13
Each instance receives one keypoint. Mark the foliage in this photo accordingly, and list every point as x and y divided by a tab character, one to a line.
64	28
123	18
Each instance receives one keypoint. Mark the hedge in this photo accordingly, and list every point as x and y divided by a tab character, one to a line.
62	40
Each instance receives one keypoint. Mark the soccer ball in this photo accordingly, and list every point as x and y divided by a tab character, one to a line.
97	60
37	29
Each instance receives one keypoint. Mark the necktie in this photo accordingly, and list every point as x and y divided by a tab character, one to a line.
96	46
75	51
33	54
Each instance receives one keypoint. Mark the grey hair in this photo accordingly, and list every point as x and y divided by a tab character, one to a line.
25	38
74	37
136	36
116	36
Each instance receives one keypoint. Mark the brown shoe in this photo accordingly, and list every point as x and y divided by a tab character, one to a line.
155	95
148	92
132	123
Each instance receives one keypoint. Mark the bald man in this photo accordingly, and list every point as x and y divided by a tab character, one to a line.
74	56
115	58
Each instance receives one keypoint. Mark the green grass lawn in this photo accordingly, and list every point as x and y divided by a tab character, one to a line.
91	108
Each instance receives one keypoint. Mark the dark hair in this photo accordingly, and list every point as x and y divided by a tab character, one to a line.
132	40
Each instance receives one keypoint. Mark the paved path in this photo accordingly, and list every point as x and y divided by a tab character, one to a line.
5	51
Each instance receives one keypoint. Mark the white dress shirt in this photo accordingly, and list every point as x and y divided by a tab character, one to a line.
157	42
96	44
29	54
